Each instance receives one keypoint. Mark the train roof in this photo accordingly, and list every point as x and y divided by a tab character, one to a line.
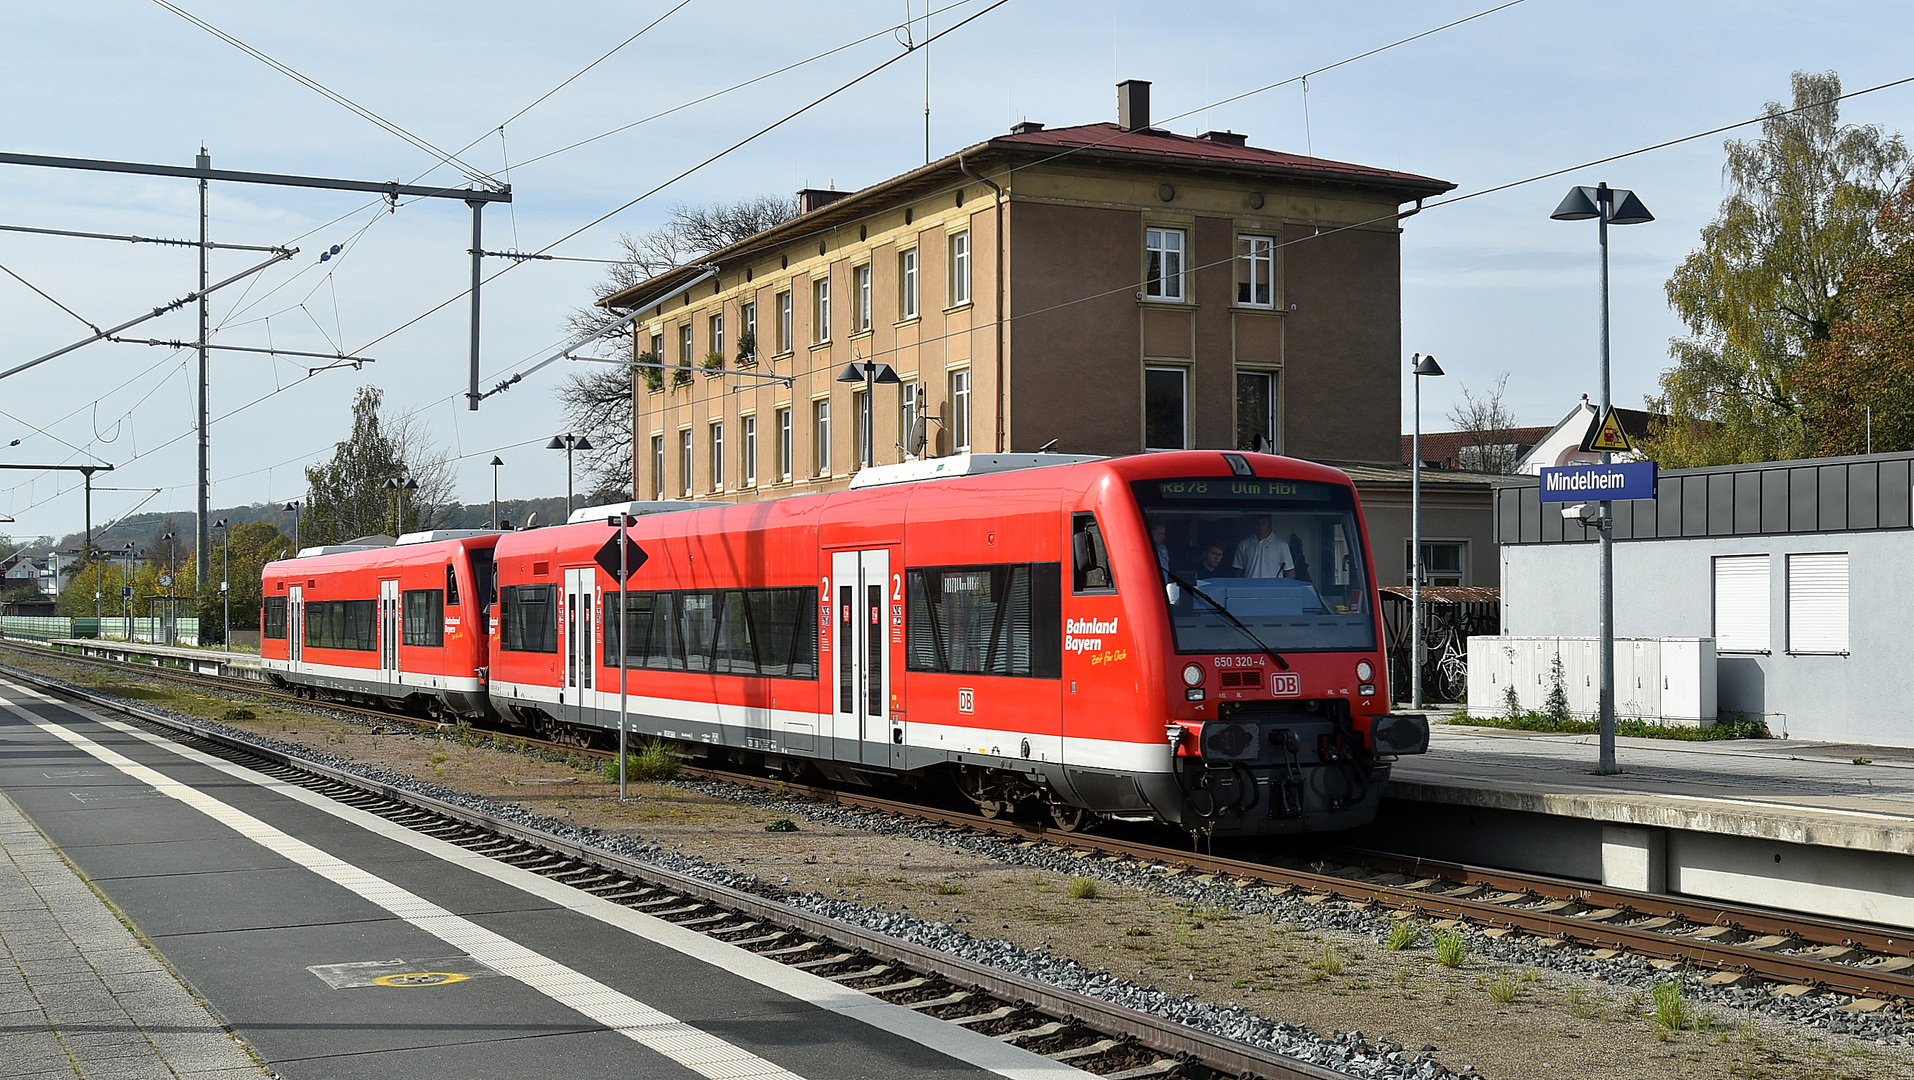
384	550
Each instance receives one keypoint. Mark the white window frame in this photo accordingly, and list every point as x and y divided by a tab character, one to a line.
1183	376
787	329
1744	603
1259	256
686	475
1274	379
685	358
960	411
750	455
861	275
907	284
658	467
717	455
821	309
1164	282
959	245
717	333
910	406
1818	599
787	448
748	318
864	438
821	436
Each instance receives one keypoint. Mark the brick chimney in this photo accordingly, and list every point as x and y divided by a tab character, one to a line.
1133	105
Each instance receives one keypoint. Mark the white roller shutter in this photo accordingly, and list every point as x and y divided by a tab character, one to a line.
1818	603
1742	612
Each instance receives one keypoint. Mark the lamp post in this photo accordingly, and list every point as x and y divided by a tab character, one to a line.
1424	366
299	514
496	462
568	443
870	374
166	580
126	588
225	583
1609	206
399	487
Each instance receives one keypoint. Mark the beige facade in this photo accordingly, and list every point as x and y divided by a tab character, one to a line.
1093	290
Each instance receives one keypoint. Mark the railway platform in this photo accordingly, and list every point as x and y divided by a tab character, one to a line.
339	944
1812	827
237	665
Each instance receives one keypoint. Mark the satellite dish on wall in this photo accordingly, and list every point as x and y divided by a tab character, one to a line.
919	436
531	521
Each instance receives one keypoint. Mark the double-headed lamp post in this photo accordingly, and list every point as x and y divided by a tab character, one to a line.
496	462
1423	366
1609	206
225	582
568	443
298	515
398	488
870	374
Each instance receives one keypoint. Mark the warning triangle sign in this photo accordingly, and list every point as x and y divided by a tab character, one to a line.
1606	435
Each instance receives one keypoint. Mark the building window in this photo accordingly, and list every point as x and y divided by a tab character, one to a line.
717	457
865	451
1444	563
821	309
907	284
1256	411
821	428
785	456
910	413
1166	408
684	464
1163	276
657	466
863	277
959	268
1818	603
1742	605
960	412
684	346
787	335
748	333
658	347
717	333
750	451
1256	271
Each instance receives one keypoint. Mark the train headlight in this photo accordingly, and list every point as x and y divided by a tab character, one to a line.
1192	674
1365	671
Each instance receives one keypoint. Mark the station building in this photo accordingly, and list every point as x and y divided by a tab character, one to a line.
1802	572
1100	289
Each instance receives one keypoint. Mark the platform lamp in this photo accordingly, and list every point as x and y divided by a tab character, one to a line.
398	488
870	374
166	580
496	462
1609	206
299	515
1424	366
568	443
225	582
129	553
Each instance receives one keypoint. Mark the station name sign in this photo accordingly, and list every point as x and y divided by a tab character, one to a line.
1586	483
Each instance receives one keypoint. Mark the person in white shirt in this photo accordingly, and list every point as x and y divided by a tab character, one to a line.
1263	555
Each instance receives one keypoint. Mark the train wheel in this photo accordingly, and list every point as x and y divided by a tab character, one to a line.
1069	818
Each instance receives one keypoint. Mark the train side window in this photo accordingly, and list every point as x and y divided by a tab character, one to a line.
1091	560
425	617
1002	619
529	622
451	585
273	619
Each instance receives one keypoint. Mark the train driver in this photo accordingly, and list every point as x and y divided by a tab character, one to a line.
1263	555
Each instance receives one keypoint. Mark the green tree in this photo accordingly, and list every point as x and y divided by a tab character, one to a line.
107	576
1767	282
344	496
242	557
1866	367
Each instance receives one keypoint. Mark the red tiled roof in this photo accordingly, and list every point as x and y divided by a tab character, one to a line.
1446	446
1110	138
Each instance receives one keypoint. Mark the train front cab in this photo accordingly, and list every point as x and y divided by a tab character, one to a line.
1270	707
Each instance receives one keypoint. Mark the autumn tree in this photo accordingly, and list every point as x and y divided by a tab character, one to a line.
598	403
345	497
1488	430
1767	283
1861	380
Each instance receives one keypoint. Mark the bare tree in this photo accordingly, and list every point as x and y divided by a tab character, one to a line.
1487	427
598	403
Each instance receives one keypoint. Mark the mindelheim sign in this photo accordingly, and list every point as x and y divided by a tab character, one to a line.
1589	483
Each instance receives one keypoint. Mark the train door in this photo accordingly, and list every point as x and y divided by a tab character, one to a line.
580	585
389	630
296	624
863	591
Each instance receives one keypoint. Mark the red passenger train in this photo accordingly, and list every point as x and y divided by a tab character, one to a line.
1190	637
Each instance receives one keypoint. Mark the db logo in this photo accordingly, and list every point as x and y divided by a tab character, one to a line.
1286	684
966	700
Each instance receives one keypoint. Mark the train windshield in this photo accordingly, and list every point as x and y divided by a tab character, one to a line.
1283	558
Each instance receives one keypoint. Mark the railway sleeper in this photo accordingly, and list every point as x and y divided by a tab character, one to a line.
825	961
957	998
1049	1028
1101	1046
1159	1067
1000	1013
857	976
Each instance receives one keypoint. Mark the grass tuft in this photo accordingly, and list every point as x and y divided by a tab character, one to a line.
1329	962
951	888
1452	949
1406	934
1083	888
783	824
653	761
1503	988
1672	1011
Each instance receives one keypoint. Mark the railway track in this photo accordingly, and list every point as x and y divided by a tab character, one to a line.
1795	954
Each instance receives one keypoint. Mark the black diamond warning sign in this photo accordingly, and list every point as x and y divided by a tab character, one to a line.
635	556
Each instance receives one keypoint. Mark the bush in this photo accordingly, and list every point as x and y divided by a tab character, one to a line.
653	761
1555	709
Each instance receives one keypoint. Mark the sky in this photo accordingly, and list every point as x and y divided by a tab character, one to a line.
1490	284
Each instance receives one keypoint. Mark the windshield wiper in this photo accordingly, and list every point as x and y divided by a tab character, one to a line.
1227	614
